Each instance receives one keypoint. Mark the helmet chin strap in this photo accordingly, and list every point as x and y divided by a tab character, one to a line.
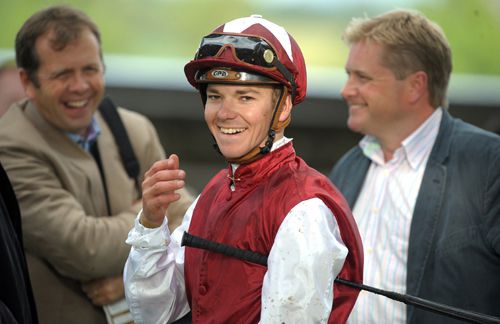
275	126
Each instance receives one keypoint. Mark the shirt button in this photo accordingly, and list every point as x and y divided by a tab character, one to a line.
202	290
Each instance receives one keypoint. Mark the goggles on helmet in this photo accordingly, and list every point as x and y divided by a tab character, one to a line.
249	49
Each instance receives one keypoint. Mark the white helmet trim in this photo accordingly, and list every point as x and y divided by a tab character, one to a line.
240	24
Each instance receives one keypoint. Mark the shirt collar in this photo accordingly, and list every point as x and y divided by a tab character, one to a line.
415	148
85	142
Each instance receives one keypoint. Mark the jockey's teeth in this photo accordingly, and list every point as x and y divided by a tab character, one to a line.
231	130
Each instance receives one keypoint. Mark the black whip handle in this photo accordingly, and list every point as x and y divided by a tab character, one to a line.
449	311
201	243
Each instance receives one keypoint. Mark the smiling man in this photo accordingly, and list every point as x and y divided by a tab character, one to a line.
238	116
424	186
77	200
249	72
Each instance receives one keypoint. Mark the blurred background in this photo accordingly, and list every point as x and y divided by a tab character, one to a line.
147	42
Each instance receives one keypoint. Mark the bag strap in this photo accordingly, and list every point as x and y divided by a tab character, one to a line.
110	114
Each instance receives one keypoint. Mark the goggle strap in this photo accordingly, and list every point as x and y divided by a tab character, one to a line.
276	124
288	76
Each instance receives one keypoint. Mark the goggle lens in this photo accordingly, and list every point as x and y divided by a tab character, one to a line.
251	50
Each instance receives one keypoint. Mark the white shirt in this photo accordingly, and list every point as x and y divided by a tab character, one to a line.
154	272
383	212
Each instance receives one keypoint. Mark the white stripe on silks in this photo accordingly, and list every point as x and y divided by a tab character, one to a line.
240	24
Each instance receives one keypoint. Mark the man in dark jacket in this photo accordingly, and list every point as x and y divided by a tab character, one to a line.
16	297
424	187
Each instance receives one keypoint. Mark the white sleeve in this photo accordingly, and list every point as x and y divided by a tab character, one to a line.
306	257
154	272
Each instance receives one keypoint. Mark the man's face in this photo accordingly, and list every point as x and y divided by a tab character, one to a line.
71	82
238	117
374	96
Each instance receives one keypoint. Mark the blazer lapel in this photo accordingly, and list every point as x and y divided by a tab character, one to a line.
427	210
351	182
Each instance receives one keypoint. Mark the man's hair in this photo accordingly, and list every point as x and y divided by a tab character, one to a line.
411	43
64	22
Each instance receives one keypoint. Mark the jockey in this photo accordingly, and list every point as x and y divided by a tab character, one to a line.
250	73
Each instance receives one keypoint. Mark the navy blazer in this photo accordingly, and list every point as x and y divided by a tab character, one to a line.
454	247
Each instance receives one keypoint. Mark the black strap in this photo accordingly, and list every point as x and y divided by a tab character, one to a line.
110	114
94	150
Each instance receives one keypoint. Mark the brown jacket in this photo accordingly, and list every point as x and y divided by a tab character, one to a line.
69	236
